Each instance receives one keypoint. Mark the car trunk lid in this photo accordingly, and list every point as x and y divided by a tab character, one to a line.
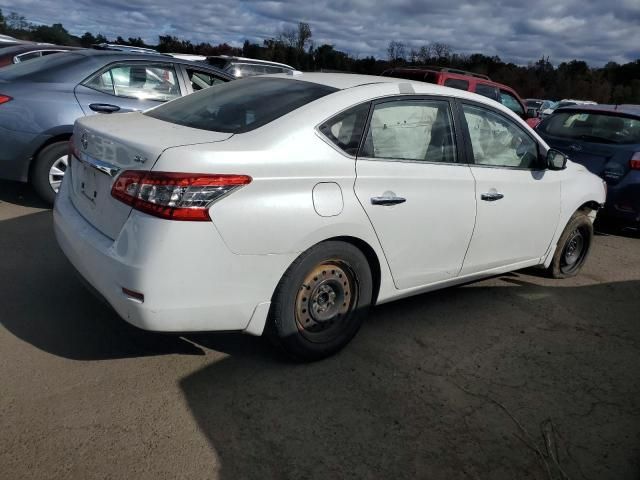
105	147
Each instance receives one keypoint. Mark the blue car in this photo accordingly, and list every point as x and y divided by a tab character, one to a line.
606	140
41	99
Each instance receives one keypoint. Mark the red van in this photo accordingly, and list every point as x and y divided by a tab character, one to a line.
472	82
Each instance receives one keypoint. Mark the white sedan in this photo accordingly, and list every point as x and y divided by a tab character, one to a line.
289	205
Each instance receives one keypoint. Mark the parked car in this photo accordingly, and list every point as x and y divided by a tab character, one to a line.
40	100
563	103
463	80
290	204
606	140
7	39
535	105
245	67
29	51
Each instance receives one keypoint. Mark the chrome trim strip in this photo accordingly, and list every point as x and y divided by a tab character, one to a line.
100	165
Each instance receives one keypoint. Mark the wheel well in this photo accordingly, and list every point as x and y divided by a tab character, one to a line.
372	259
63	137
590	205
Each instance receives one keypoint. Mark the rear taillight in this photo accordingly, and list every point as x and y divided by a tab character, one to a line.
634	163
174	196
5	99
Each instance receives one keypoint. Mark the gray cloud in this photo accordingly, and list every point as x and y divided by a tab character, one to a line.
517	31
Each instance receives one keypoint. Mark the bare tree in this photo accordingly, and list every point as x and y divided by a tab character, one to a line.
304	35
396	51
441	50
288	36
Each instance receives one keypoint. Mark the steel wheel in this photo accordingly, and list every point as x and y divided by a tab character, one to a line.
57	171
325	301
574	251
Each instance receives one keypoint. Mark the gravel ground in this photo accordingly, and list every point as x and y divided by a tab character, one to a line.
515	377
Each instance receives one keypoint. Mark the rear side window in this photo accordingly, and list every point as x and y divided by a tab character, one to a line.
456	83
242	105
593	127
345	129
417	130
200	79
487	91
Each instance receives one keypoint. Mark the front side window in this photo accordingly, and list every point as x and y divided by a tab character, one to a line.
145	82
345	129
242	105
419	130
200	79
593	127
511	102
497	141
456	83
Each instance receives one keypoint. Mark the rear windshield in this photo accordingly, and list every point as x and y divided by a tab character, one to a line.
241	105
593	127
42	69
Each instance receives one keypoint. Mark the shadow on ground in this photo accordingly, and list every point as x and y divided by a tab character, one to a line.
45	304
22	194
461	383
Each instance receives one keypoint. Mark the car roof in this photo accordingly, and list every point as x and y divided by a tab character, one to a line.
251	60
90	61
343	81
626	109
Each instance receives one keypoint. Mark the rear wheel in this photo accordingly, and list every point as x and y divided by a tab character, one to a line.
573	247
49	169
321	301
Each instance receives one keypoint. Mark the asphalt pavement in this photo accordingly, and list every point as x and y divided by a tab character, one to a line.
515	377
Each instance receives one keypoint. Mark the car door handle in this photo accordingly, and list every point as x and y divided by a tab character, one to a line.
491	197
387	200
104	107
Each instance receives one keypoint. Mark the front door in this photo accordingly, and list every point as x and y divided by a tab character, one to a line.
418	195
518	199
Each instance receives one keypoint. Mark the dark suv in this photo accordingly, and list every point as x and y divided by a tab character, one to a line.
463	80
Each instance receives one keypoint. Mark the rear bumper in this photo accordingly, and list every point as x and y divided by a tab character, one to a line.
190	280
16	153
623	201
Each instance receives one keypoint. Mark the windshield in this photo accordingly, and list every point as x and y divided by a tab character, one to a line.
240	106
593	127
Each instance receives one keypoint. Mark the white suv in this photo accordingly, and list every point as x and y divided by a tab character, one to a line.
291	204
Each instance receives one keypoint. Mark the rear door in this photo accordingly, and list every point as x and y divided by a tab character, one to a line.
518	199
416	191
129	86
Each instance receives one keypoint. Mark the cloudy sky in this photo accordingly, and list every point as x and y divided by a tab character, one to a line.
517	30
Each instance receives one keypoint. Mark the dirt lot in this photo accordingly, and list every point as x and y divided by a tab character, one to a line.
463	383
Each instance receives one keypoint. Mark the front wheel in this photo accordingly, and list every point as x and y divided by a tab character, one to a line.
321	301
573	247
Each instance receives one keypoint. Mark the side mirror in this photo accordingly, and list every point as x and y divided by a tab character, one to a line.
556	160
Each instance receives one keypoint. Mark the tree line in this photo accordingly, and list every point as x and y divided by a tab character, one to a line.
612	83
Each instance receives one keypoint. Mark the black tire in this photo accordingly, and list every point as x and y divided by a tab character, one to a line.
321	301
40	172
573	247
